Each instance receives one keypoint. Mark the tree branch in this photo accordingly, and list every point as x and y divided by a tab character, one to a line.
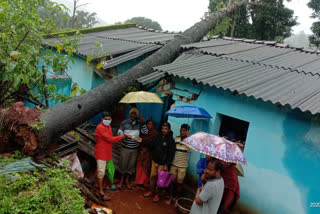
25	36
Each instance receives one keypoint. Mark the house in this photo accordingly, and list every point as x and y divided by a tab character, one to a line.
268	95
125	45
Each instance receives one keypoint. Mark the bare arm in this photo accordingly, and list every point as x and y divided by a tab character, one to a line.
197	199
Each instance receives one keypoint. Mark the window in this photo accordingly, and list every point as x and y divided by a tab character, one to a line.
234	129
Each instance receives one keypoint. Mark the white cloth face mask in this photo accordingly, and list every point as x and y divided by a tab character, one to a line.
106	122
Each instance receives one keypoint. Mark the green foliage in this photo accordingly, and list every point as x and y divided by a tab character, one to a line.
85	19
21	50
222	28
40	192
315	38
38	126
260	19
91	30
48	10
97	53
4	160
145	22
130	89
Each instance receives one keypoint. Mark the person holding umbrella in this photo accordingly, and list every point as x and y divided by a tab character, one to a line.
231	193
229	154
208	197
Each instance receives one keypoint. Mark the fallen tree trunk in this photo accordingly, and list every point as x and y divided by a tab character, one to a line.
68	115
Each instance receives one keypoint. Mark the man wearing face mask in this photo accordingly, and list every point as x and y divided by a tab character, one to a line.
208	197
103	150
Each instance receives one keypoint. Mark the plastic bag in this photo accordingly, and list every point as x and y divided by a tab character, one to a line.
164	179
110	170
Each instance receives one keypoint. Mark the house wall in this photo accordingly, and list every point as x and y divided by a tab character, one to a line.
81	73
63	84
282	150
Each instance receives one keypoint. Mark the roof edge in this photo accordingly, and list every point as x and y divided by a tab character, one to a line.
91	30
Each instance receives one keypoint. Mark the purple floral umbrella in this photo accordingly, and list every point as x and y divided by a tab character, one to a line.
215	146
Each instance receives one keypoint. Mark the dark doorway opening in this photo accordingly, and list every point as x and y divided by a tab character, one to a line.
234	129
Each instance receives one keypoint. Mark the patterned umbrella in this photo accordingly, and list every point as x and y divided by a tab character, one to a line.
215	146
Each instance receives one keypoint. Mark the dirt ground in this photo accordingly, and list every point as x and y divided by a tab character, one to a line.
132	202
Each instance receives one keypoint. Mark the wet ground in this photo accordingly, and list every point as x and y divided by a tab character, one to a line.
132	201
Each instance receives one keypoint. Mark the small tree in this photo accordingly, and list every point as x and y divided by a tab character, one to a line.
21	51
145	22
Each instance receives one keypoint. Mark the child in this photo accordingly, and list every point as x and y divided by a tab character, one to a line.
201	166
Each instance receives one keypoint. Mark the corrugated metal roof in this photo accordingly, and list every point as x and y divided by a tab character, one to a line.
117	41
151	77
266	53
278	85
128	56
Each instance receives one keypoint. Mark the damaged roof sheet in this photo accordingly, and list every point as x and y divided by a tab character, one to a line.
278	85
128	56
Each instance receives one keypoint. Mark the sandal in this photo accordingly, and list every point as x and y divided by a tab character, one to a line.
105	197
147	194
156	199
129	187
168	202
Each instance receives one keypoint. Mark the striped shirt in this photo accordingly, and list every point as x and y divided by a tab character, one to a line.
133	129
181	157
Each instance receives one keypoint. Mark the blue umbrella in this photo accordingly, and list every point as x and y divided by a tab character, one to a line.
188	112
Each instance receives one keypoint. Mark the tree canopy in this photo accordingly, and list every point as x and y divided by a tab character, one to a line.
260	19
22	32
315	38
47	9
145	22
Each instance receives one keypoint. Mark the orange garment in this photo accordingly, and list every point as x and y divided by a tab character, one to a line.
104	139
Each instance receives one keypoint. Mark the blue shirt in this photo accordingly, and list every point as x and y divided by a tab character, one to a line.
201	166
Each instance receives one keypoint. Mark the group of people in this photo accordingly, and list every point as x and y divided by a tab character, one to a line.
144	151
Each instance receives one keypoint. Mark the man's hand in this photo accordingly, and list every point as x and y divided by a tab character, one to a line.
141	118
203	178
128	136
165	169
139	139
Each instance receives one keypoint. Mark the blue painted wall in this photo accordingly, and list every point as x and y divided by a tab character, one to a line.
81	73
63	84
282	150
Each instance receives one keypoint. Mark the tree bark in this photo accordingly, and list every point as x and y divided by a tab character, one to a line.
233	25
70	114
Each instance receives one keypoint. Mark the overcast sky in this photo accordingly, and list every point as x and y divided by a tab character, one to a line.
175	15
